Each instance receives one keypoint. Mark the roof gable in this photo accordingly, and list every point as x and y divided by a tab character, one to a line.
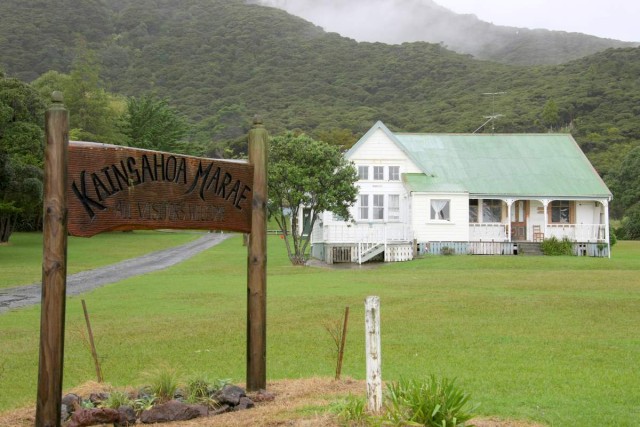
379	126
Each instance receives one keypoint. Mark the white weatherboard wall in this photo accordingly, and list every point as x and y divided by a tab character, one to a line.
380	150
427	230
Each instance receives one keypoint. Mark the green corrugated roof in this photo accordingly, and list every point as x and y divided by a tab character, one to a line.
535	165
522	165
423	183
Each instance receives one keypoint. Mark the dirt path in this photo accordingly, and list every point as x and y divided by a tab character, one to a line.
22	296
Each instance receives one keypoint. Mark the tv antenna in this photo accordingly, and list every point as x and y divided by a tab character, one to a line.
493	116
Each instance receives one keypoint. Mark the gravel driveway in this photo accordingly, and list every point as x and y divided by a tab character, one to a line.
22	296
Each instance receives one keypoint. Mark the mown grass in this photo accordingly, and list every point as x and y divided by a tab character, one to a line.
21	259
550	339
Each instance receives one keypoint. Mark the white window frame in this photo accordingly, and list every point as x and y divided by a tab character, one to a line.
440	210
394	173
363	173
393	208
378	173
378	207
363	207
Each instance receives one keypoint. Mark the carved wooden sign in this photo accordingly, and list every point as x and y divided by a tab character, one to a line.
112	187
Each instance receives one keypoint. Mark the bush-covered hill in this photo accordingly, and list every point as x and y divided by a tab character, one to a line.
221	61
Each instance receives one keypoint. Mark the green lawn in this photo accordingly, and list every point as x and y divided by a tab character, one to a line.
21	259
550	339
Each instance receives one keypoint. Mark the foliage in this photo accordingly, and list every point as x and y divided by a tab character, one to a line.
630	225
199	390
163	383
352	412
613	237
436	402
626	186
94	113
143	402
117	399
306	174
153	124
446	250
21	156
553	246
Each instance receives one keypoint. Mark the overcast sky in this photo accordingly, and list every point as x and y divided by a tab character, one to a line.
615	19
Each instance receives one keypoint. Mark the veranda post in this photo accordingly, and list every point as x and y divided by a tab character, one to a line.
54	265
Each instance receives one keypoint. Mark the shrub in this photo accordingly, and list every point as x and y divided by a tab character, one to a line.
630	225
352	412
553	246
446	250
613	238
434	402
117	399
163	384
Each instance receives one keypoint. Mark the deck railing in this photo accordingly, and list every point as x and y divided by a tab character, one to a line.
497	232
362	233
577	232
488	232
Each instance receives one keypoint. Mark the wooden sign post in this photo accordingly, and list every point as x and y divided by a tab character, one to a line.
91	188
54	266
257	263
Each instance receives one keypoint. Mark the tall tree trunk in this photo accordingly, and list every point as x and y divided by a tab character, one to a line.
6	227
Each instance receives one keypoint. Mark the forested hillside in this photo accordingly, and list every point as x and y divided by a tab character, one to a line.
219	62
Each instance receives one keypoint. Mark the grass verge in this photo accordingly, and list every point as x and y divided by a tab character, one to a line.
549	339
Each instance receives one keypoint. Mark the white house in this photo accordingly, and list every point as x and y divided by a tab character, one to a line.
466	193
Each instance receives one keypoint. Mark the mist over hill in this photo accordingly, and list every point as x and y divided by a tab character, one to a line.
400	21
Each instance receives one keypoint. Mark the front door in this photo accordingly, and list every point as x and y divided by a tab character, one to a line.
519	220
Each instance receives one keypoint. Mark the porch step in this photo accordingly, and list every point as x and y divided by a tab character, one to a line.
529	248
372	252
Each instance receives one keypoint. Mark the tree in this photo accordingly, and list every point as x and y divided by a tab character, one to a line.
550	114
21	156
626	187
94	114
307	174
152	124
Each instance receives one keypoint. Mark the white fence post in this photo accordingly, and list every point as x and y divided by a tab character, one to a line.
373	356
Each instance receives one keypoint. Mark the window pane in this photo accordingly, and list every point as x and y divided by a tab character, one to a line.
363	172
378	206
560	212
473	210
364	206
394	173
378	173
394	207
491	210
440	210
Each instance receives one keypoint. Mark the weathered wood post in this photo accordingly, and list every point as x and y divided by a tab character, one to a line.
257	262
54	265
343	340
373	356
